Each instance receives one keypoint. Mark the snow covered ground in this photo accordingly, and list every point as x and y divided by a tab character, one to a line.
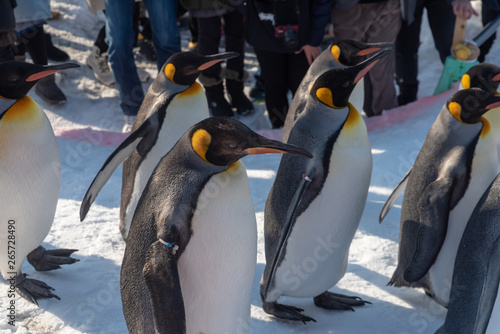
89	290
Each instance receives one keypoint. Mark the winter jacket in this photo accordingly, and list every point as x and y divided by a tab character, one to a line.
204	8
7	21
260	30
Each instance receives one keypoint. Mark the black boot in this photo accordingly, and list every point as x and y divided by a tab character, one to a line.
54	53
47	89
238	99
217	103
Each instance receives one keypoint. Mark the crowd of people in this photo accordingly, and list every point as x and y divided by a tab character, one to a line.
285	34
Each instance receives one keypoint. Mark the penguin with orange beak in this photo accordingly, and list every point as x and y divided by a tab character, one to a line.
30	178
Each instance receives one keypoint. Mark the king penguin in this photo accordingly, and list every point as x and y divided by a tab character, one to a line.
485	76
190	257
173	103
30	177
474	303
457	163
314	207
341	54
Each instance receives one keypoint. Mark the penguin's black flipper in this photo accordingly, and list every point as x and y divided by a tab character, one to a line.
396	192
111	164
427	235
287	226
162	280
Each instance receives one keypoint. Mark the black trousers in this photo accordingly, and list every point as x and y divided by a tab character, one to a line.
442	24
209	35
281	72
489	11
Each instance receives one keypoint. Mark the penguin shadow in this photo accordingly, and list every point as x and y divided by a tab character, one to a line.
389	228
421	314
89	292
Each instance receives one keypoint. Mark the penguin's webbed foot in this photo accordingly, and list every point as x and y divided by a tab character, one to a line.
32	289
335	301
286	312
44	260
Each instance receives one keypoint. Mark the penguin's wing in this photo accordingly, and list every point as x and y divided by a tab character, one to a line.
116	158
433	207
396	192
162	280
287	227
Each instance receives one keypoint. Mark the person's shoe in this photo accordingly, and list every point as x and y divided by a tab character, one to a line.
129	123
54	53
217	103
193	46
143	75
47	89
404	99
242	104
99	64
147	48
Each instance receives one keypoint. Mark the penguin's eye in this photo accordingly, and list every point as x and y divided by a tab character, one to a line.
346	84
232	145
13	78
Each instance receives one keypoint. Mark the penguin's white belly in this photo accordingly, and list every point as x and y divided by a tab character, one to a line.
318	246
493	116
30	178
494	324
357	97
484	170
217	268
182	113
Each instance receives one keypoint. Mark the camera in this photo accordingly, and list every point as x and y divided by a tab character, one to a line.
289	34
286	22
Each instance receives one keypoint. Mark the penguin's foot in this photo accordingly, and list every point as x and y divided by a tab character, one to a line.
32	289
335	301
286	312
44	260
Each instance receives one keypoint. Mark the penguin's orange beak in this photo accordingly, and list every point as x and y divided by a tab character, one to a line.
48	70
264	145
496	77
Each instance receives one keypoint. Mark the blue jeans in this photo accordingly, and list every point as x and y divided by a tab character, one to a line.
120	38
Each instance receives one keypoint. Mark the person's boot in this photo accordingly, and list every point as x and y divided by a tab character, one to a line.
237	97
217	103
98	62
47	89
54	53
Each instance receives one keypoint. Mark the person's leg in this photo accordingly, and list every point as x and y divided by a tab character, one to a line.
46	88
163	19
212	78
100	41
407	44
297	68
442	24
235	74
380	91
274	71
120	39
490	9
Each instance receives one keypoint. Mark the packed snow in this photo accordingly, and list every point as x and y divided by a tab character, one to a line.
88	128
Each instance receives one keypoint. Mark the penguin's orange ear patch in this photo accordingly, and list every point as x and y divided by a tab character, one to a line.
466	81
325	95
170	72
335	50
455	109
201	142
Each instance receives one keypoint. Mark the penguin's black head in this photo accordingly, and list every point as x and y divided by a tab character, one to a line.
485	76
183	68
222	141
469	105
17	78
334	87
350	52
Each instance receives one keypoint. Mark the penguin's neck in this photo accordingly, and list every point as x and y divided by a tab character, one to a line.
5	104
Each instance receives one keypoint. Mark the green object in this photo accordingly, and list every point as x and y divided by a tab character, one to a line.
453	71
